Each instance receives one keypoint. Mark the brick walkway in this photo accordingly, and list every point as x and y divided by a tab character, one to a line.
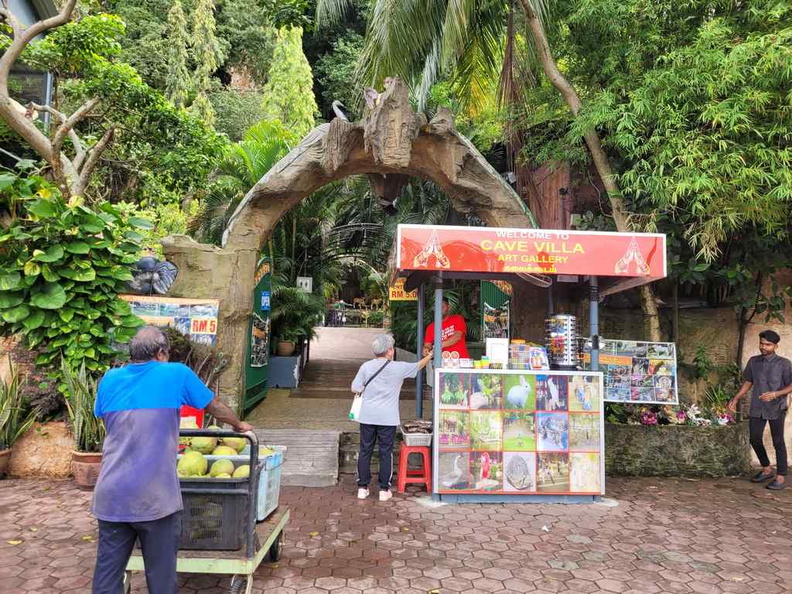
663	536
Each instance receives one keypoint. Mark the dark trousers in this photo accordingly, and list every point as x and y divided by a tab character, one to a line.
159	543
777	432
368	435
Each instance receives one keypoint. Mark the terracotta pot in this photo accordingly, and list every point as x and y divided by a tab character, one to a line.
5	460
85	467
285	348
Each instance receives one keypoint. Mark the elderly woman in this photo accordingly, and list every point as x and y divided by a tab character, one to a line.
380	381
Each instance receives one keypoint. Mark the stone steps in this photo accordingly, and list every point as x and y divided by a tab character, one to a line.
311	457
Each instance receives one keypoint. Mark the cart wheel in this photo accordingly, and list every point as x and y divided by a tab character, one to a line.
241	584
127	582
276	548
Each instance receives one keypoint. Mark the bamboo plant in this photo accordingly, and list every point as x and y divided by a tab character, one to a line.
14	418
88	431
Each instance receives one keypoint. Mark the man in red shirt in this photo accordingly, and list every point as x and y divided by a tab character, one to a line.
453	336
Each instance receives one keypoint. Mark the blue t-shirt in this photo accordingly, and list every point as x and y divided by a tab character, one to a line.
140	404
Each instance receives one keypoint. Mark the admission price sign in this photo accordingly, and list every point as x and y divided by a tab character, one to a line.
397	292
515	432
195	318
531	251
638	371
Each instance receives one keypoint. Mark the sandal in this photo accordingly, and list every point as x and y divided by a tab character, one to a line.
762	476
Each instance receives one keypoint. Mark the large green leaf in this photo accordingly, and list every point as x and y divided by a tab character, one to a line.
15	314
10	281
52	296
7	180
43	208
49	275
34	321
10	299
140	223
82	275
78	247
52	254
66	315
32	268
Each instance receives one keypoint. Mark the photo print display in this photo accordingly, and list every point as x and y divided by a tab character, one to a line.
551	392
454	471
454	390
644	372
454	429
522	433
486	392
486	469
519	473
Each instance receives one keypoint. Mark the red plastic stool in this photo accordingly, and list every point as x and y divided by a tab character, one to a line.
424	475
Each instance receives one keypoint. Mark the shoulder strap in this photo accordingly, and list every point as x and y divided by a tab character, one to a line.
369	380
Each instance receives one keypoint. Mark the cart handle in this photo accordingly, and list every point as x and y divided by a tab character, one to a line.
252	481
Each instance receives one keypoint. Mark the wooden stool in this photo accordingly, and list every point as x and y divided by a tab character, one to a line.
423	475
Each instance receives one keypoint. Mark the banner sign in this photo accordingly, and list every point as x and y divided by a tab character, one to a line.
531	251
640	372
195	318
396	292
509	432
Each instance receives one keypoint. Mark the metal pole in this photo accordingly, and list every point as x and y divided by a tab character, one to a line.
438	322
550	303
419	353
594	321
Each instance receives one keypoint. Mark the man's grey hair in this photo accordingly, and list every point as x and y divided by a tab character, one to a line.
382	343
148	342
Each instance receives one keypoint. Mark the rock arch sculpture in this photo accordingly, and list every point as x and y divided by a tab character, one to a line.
389	145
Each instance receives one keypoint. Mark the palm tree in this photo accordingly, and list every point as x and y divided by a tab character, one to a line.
469	40
242	166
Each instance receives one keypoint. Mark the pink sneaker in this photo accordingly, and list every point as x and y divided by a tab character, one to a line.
385	495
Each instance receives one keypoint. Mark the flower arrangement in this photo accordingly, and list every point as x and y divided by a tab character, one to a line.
653	415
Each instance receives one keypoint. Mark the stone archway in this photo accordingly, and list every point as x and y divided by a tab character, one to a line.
391	144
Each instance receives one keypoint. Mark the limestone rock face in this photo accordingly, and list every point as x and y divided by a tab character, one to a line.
391	144
44	451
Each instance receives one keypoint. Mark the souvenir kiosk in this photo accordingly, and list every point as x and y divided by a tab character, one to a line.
511	434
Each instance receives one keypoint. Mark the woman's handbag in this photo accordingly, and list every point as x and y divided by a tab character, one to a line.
357	403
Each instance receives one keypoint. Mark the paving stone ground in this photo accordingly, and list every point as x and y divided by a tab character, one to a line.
665	535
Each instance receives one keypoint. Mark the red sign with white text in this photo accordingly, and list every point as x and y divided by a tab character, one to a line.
531	251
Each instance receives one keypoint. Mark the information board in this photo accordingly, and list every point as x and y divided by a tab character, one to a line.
195	318
518	432
641	372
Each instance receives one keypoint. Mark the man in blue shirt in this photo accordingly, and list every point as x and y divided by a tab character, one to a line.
137	495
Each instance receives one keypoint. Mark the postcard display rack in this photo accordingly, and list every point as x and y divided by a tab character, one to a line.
518	435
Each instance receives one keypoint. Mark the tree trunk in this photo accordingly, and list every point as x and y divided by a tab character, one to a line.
598	155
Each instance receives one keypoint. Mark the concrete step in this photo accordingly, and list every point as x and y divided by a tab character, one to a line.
311	456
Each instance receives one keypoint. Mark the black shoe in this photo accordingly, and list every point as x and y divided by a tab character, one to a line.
776	486
761	477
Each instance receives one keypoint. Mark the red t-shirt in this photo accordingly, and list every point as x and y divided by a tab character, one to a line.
451	325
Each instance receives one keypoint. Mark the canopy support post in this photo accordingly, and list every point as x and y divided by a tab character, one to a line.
438	321
594	321
419	354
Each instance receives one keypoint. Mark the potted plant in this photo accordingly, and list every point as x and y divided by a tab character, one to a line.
294	316
14	419
88	431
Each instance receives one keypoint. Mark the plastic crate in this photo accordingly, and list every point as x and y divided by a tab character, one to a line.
215	510
417	439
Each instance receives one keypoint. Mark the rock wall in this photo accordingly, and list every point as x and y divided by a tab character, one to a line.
676	450
44	451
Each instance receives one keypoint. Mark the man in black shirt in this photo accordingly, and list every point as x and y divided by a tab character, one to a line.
770	376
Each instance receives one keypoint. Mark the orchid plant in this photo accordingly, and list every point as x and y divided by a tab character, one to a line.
652	415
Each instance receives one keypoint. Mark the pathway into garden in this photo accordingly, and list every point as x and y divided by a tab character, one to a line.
324	396
660	535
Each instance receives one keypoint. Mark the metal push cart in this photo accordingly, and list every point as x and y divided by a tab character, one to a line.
260	540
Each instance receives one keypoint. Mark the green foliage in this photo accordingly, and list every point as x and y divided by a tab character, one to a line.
240	168
207	57
236	111
294	314
335	71
288	94
15	418
178	84
62	266
80	391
